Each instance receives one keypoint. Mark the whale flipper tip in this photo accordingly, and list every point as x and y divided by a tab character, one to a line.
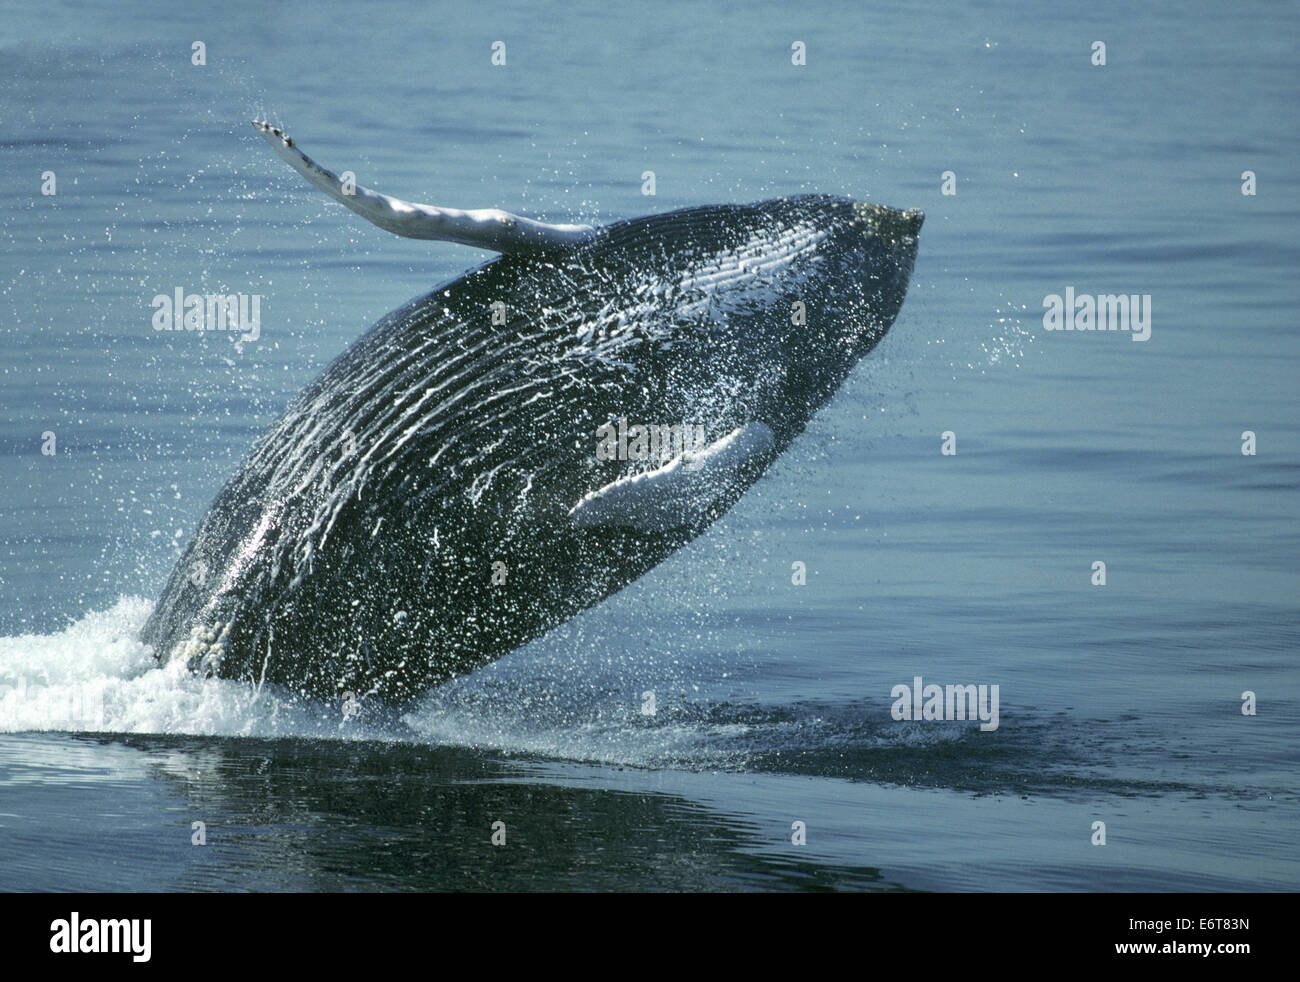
267	130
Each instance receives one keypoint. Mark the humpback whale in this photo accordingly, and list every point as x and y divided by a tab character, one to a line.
510	449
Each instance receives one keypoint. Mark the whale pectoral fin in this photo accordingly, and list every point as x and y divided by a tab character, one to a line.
684	491
486	228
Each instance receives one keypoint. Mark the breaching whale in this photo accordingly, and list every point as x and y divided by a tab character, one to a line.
510	449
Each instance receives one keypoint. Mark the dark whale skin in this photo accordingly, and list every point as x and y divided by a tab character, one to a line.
353	550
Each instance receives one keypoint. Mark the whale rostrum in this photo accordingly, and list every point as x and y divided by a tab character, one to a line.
515	446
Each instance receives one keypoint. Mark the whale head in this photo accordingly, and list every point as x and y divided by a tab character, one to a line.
860	277
754	311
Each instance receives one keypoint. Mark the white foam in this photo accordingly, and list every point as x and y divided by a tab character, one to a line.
94	676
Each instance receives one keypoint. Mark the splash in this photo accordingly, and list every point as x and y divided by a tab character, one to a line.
96	677
565	697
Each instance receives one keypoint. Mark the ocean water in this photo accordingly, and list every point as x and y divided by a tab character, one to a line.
1120	703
